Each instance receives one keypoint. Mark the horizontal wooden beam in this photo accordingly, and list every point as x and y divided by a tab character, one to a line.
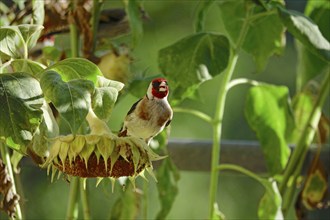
195	155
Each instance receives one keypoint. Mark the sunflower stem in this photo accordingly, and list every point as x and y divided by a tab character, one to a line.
72	211
84	198
197	113
97	5
294	166
217	128
219	112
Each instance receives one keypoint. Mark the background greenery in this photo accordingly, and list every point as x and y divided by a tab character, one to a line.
169	21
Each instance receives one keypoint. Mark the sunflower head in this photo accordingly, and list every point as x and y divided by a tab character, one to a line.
102	156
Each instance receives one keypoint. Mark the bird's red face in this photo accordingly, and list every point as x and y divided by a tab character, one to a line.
159	88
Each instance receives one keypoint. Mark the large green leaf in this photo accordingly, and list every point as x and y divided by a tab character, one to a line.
105	96
265	32
28	66
30	33
168	177
11	42
20	113
307	32
16	40
46	130
309	64
269	115
270	203
193	60
72	99
76	68
203	7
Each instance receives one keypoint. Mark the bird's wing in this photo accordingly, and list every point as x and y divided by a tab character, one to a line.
133	107
168	123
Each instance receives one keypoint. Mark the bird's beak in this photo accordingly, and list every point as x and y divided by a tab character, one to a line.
163	87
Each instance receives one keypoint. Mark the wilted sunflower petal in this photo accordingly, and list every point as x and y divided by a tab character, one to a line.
92	139
76	146
98	181
124	144
63	153
105	147
67	138
53	152
86	153
135	157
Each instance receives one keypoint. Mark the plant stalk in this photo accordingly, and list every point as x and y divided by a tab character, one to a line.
84	199
294	167
74	36
6	159
217	128
219	112
197	113
241	170
97	5
72	211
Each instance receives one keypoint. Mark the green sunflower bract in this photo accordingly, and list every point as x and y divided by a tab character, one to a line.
103	155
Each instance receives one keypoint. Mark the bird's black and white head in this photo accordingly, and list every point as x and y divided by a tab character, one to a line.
158	89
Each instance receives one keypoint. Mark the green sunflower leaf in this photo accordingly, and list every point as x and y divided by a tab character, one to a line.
270	203
11	42
21	99
105	97
265	31
269	114
72	99
309	64
28	66
192	60
76	68
307	32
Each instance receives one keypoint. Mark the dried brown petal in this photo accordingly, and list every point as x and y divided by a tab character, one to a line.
9	198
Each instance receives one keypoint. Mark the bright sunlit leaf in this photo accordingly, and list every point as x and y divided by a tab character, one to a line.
271	202
28	66
76	68
21	99
16	40
11	42
309	64
269	114
30	33
307	32
72	99
105	96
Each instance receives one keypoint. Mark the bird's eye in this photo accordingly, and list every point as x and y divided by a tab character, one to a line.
156	84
